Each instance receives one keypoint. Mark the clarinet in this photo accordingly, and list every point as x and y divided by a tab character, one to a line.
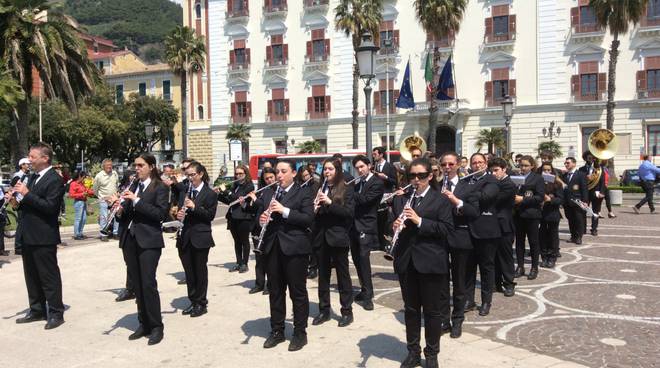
445	181
389	254
322	189
188	195
106	230
258	249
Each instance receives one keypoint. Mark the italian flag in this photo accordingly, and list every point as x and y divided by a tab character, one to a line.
428	71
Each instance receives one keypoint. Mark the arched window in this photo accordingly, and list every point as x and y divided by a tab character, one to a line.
198	10
200	112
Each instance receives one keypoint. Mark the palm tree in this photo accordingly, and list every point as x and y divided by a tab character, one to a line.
440	18
617	15
491	138
10	91
354	18
185	53
240	132
309	147
549	146
39	37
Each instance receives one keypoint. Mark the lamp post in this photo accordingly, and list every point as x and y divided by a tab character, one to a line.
366	53
149	134
387	43
286	144
551	131
507	113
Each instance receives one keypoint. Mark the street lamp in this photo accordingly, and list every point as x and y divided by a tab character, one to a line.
551	131
507	113
149	134
366	53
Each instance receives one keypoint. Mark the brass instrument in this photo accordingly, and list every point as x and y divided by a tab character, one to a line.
258	248
603	145
389	254
408	144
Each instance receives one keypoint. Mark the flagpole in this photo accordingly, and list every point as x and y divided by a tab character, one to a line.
453	72
387	106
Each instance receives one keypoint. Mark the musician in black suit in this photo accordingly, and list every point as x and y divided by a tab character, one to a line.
197	210
308	179
239	220
144	208
421	260
388	174
549	230
504	267
596	187
465	203
39	233
286	248
267	178
334	208
575	190
364	234
529	198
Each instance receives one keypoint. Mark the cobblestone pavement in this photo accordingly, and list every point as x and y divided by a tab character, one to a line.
599	307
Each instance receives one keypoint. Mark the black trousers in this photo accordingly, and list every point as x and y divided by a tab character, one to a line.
608	200
129	282
482	255
527	228
504	267
43	280
314	259
458	261
360	252
337	257
194	262
426	294
142	264
575	217
2	237
287	271
240	231
549	239
383	228
647	185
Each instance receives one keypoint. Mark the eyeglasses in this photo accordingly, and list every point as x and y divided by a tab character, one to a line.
191	175
419	176
448	164
240	174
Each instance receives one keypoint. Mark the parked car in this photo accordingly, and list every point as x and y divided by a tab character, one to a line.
630	177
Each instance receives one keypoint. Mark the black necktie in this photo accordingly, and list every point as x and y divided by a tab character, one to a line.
416	201
360	186
280	195
141	186
450	184
33	180
570	176
194	194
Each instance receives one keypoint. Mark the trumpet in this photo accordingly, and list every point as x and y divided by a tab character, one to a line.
388	196
105	231
389	254
258	248
255	192
323	189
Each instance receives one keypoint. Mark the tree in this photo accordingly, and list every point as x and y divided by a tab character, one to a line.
10	92
617	15
309	147
491	138
50	45
354	18
160	113
239	132
550	146
439	18
185	53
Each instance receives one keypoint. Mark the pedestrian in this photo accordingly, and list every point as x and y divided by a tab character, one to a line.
608	199
268	178
3	222
128	292
79	193
528	216
106	184
647	175
575	195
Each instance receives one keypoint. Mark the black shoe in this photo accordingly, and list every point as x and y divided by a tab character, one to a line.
181	282
594	232
256	289
551	263
456	330
31	317
470	306
544	263
509	291
274	339
533	274
368	305
359	297
431	361
445	328
125	295
198	310
298	341
412	360
53	322
345	320
520	271
235	268
578	241
188	310
484	310
321	318
243	269
104	239
498	288
156	336
4	253
140	332
311	274
266	291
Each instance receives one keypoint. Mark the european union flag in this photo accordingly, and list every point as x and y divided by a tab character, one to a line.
446	82
406	100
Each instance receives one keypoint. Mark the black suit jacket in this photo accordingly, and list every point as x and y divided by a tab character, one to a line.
426	246
576	188
460	238
366	205
146	216
504	205
39	211
532	192
550	210
487	225
237	211
391	181
333	222
292	232
197	224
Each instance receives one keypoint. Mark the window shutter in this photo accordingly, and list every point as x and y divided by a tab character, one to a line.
489	92
327	47
641	80
489	26
512	87
310	105
395	42
230	6
575	85
396	97
602	83
309	49
269	54
583	2
233	109
267	3
286	106
249	108
377	102
232	57
327	103
270	108
277	93
285	53
246	7
512	26
321	34
575	16
247	56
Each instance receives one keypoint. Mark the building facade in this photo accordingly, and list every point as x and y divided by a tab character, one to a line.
282	67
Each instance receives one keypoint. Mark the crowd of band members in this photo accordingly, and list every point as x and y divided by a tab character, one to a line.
452	220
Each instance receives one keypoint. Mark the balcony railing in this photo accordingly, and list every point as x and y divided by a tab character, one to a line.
440	44
314	4
587	28
589	97
239	66
275	117
276	8
240	119
646	94
649	22
317	58
317	114
391	50
499	37
238	13
277	62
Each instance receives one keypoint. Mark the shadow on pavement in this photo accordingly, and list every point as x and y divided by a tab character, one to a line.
178	304
248	284
3	262
178	275
256	327
19	313
381	346
390	276
115	291
226	265
129	322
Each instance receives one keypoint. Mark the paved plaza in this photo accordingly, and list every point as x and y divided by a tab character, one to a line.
600	307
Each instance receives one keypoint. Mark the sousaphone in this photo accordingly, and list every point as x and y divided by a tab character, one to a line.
603	144
408	144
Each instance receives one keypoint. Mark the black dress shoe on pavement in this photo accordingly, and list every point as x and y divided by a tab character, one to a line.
345	320
578	241
266	292
188	310
256	289
274	339
321	318
54	322
509	291
470	306
412	360
156	336
125	295
551	263
199	310
298	341
445	328
368	305
498	288
237	267
520	271
533	274
456	330
31	317
181	282
594	232
484	310
311	274
18	252
4	253
358	297
140	332
431	361
243	269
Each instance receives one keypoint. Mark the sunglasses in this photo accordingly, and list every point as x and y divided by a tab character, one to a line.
419	176
448	164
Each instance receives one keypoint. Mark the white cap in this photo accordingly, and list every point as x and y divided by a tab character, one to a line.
23	161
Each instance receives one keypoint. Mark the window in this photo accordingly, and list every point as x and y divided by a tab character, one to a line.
653	10
280	146
323	144
653	134
588	84
279	108
101	64
142	89
384	97
198	10
119	93
586	132
277	4
386	36
96	47
278	53
200	112
166	90
587	15
318	50
653	80
383	142
241	109
239	56
238	6
319	104
500	89
501	25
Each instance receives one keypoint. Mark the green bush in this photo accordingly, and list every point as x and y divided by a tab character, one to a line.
627	188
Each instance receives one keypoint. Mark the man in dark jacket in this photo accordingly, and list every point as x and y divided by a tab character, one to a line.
504	267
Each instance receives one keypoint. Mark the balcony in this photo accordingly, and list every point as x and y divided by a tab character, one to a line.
646	97
422	108
317	114
275	10
240	119
238	15
320	6
316	62
276	66
649	26
274	117
587	32
237	69
444	46
498	41
589	100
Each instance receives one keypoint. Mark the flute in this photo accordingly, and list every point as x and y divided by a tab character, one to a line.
474	173
388	196
255	192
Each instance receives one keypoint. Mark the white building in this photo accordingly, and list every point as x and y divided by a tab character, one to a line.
283	68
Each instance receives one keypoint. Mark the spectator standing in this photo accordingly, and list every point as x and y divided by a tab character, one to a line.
79	192
106	183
